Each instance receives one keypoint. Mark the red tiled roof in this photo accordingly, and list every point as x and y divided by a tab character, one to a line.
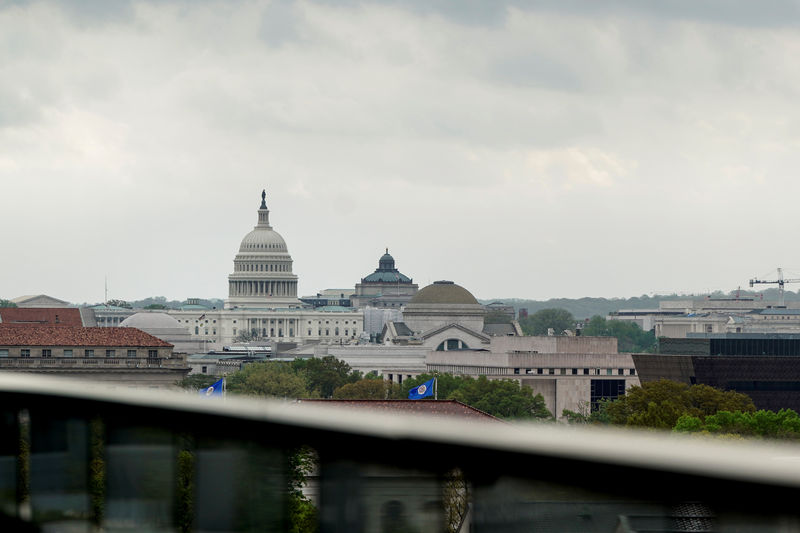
53	316
427	407
27	335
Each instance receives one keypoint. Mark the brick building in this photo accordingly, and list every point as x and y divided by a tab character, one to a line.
125	356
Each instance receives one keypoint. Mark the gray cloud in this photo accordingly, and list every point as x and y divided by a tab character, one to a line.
469	138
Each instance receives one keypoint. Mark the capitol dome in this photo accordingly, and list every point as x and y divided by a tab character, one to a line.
444	292
263	239
262	270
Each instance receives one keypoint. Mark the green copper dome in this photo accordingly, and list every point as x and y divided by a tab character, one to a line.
386	272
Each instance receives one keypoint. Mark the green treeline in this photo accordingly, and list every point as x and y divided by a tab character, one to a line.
630	336
328	377
699	409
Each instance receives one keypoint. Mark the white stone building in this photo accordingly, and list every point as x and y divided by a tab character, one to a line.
262	300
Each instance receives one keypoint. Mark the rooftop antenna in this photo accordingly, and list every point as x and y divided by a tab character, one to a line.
105	301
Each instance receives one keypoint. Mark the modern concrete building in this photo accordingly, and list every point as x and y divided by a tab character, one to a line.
124	357
569	372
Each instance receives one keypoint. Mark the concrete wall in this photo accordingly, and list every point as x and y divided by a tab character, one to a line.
560	344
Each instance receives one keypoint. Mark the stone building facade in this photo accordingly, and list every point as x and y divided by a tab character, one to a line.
262	300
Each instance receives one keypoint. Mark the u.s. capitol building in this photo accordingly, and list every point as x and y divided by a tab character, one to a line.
262	299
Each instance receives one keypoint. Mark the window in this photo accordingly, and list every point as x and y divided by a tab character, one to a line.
291	332
131	353
204	370
25	352
516	371
552	371
605	389
234	330
152	354
327	332
309	333
4	352
540	370
621	372
609	372
574	371
632	372
88	353
47	352
585	371
111	353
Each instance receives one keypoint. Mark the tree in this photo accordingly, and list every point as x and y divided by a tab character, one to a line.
541	321
302	513
156	306
784	424
197	382
503	398
446	384
119	303
325	374
274	379
7	303
659	404
368	389
630	337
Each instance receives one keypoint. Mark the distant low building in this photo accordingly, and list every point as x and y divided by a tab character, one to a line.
39	300
501	309
123	356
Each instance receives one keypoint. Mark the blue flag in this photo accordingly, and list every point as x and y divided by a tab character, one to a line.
213	390
426	389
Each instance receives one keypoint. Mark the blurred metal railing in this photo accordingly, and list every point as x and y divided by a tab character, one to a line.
79	458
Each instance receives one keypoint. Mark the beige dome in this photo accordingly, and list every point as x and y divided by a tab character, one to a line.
151	321
444	292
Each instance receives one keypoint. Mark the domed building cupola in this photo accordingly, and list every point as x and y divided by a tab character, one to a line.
386	262
386	287
262	270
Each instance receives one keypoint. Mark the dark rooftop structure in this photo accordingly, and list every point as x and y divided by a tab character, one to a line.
449	408
787	344
53	316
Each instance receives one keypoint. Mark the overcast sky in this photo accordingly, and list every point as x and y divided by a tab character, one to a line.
526	149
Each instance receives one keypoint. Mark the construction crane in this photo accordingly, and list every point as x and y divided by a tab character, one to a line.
780	281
